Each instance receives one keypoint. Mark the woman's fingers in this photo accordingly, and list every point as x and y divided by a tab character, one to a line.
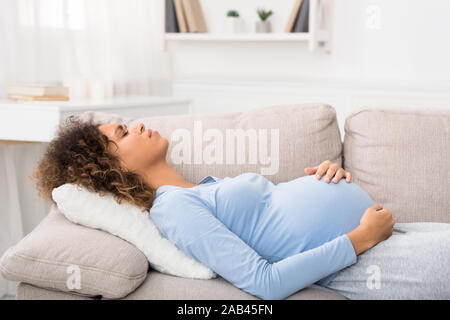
348	176
339	174
323	167
331	172
377	206
311	170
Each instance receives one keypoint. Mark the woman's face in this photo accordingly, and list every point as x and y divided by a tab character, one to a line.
138	148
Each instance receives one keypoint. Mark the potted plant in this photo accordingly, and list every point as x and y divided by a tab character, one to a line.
233	22
263	25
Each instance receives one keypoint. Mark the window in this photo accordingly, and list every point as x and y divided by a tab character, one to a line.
56	14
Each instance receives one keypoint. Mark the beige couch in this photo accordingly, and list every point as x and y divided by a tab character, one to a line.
400	157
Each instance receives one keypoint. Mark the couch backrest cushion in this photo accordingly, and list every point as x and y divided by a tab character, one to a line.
287	138
402	159
58	253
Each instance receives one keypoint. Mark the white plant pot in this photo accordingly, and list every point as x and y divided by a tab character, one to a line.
234	25
262	26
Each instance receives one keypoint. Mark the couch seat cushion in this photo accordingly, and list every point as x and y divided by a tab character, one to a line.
159	286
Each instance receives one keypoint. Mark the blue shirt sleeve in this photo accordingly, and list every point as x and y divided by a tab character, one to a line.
188	222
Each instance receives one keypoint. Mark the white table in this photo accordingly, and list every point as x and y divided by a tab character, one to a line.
36	121
25	130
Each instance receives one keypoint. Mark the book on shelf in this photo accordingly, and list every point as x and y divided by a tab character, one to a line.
37	98
38	90
180	14
293	16
301	24
171	18
194	16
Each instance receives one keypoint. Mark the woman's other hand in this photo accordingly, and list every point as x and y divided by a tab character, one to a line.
330	170
376	225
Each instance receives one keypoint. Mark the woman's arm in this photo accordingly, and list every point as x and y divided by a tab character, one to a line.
191	226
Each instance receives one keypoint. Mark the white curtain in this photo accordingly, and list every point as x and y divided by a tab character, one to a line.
116	44
99	48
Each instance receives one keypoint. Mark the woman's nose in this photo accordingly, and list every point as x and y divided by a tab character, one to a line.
140	127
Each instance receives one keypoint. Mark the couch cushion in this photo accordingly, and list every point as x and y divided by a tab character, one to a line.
162	286
303	136
401	158
108	266
27	291
159	286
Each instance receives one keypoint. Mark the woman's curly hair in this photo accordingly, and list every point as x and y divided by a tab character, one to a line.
79	155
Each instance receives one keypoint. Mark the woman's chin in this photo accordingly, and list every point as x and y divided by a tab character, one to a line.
165	142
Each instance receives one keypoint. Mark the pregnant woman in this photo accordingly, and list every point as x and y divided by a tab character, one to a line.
269	240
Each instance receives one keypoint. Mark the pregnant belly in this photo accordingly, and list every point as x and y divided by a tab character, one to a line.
308	212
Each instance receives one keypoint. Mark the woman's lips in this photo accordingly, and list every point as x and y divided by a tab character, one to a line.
149	133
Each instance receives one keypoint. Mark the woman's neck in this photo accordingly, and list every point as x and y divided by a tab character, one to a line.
162	174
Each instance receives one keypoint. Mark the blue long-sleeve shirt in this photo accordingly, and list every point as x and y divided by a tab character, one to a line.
269	240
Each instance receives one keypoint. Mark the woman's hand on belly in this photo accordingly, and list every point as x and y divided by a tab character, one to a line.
330	170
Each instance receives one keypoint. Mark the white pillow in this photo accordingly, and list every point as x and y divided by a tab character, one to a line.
128	222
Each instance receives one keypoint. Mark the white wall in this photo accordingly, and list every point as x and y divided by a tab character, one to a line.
402	64
411	48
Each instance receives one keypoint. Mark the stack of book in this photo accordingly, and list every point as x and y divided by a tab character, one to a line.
184	16
298	21
38	93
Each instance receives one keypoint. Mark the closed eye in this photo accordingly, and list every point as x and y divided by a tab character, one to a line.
124	132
